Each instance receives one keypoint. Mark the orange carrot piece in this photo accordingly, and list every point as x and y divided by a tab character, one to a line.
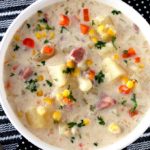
124	89
131	52
86	14
48	50
137	59
84	28
91	74
64	20
134	113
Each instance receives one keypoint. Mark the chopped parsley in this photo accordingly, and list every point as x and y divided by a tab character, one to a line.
133	99
95	144
28	25
46	41
49	83
125	61
83	4
100	44
71	124
43	20
68	70
113	42
116	12
62	29
38	27
81	124
43	63
100	77
49	28
71	97
66	12
101	120
124	102
72	139
39	11
125	52
12	74
92	107
93	23
16	48
31	85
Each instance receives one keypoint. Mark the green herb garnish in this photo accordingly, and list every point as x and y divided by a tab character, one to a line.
16	48
43	20
100	44
49	28
38	27
31	85
113	42
43	63
49	83
72	139
66	12
100	77
92	107
101	120
81	124
125	61
93	23
124	102
68	70
71	124
62	29
28	25
116	12
135	105
39	11
12	74
95	144
71	97
46	41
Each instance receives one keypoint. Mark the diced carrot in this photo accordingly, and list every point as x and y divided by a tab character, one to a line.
28	42
86	14
91	74
48	50
137	59
7	84
125	55
134	113
64	20
67	101
131	52
84	28
124	89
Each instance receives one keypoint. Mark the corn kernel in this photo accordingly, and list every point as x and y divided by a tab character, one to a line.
40	78
141	66
17	38
124	79
48	100
39	93
76	72
130	84
57	116
89	62
38	35
92	32
94	39
114	128
41	110
100	28
66	93
116	57
59	96
52	35
111	32
70	64
86	121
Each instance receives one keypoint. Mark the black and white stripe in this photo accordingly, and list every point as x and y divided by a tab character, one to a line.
9	136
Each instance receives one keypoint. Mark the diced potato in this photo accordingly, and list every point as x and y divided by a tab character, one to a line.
36	120
84	84
109	48
64	130
56	72
112	70
74	130
103	20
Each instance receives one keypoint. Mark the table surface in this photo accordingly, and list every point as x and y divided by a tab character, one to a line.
9	136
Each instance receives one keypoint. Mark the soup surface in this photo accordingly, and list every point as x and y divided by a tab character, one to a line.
77	74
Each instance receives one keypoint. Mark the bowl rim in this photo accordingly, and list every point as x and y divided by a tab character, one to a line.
24	15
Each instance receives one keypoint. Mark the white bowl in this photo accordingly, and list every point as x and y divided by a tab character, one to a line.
28	12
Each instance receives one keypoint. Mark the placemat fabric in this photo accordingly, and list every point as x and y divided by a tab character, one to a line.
9	136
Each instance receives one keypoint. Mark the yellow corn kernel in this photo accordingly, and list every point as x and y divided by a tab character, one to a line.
114	128
105	37
100	28
52	35
94	39
17	38
89	62
44	34
124	79
76	72
86	121
66	93
20	114
41	110
57	116
40	78
130	84
70	64
141	65
116	57
92	32
38	35
59	96
39	93
48	100
111	32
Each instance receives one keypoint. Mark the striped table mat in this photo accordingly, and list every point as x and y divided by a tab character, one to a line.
10	139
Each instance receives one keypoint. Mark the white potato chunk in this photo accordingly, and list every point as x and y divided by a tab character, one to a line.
112	70
64	130
103	20
108	49
38	120
84	84
56	72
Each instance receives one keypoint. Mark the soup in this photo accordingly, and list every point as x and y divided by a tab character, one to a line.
77	74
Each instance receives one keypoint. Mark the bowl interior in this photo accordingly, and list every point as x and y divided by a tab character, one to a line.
40	4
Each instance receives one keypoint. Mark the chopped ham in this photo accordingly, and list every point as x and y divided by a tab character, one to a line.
78	54
27	72
106	102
